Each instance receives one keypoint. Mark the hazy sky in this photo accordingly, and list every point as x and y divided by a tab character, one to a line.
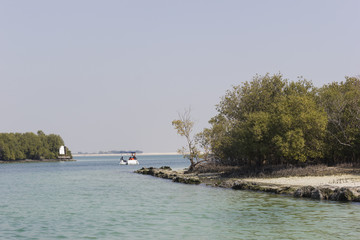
113	74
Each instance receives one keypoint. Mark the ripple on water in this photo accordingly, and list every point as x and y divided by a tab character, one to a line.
91	200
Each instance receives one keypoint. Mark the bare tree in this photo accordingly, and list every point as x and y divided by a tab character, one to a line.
184	126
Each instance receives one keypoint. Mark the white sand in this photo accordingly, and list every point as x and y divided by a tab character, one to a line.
325	181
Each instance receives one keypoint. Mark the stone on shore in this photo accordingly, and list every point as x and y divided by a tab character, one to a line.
168	173
271	185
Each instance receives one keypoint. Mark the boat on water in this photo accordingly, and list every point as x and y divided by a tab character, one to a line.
131	161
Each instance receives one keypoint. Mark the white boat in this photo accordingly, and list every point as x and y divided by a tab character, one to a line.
131	161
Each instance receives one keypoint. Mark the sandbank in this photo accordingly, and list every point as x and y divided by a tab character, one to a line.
345	180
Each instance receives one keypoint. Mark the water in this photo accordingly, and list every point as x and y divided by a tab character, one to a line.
95	198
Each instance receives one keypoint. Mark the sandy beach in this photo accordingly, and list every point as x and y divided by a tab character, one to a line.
335	181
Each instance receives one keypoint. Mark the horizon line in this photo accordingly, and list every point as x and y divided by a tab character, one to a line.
120	154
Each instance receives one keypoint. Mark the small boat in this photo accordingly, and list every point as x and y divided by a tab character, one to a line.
131	161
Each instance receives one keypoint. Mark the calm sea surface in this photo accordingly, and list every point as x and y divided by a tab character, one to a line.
96	198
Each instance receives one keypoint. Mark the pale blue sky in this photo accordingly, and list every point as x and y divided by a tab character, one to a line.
113	74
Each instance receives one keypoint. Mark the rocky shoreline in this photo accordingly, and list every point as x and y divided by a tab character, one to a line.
168	173
323	191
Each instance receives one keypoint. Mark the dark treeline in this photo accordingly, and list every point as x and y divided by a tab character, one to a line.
273	121
19	146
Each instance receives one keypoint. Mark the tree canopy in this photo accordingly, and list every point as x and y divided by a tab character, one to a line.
19	146
341	102
271	120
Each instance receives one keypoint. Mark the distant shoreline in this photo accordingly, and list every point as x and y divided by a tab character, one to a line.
120	154
33	160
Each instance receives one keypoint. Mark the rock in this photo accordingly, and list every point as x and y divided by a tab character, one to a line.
316	194
245	185
187	180
342	194
326	193
166	168
225	184
287	190
146	171
304	192
240	185
339	194
166	173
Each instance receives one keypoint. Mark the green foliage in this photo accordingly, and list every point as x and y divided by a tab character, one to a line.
18	146
341	102
268	121
301	125
271	120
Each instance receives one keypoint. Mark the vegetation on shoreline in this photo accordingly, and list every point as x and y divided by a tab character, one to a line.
278	171
272	121
184	126
21	146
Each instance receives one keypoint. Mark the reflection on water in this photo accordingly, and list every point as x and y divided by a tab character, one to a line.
96	198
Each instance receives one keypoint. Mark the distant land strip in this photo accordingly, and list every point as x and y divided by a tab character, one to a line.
119	154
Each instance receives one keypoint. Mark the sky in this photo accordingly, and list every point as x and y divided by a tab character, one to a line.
112	75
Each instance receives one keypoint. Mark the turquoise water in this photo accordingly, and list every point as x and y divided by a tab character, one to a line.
95	198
